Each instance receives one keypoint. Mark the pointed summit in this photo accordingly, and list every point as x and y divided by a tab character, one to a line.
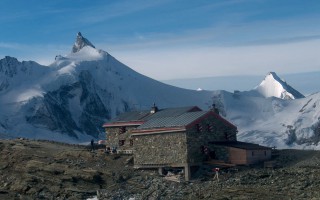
274	86
80	43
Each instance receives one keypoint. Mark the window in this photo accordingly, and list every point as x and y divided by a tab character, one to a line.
252	153
265	153
121	142
122	130
209	128
212	128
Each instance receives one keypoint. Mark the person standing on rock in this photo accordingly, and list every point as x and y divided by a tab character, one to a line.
92	145
216	176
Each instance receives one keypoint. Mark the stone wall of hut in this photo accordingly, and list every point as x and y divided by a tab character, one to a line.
160	149
208	130
114	135
221	153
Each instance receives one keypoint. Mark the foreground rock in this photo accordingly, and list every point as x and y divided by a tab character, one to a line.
49	170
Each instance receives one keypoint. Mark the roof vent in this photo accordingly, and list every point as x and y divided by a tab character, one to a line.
154	108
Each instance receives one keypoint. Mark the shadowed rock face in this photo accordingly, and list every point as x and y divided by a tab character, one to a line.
53	110
80	43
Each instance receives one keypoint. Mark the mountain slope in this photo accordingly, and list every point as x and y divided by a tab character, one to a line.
273	121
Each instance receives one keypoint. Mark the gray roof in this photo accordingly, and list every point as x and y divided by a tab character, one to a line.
163	118
146	115
172	121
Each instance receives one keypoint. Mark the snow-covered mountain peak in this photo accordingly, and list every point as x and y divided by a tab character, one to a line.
274	86
80	43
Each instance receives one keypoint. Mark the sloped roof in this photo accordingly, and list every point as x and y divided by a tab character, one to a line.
240	145
163	119
172	112
144	116
172	121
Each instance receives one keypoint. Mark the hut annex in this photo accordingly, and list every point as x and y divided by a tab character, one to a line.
179	137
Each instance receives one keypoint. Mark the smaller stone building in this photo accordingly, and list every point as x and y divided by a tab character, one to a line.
240	153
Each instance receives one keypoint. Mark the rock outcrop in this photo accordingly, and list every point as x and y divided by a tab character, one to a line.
80	43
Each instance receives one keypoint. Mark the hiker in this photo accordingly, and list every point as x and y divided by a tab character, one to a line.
216	175
92	145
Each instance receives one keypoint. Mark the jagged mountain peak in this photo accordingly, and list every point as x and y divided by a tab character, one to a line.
8	66
80	43
273	85
7	60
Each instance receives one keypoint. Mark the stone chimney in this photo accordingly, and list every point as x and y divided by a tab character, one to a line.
154	108
215	109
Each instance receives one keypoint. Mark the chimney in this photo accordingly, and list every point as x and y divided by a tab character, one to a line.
215	109
154	108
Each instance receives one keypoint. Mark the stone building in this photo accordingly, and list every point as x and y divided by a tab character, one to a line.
172	137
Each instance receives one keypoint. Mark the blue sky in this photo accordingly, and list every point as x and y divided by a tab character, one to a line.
170	39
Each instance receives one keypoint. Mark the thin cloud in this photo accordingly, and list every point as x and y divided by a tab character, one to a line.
239	32
15	46
20	13
103	13
221	61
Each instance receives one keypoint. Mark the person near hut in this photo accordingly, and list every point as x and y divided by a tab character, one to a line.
216	175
